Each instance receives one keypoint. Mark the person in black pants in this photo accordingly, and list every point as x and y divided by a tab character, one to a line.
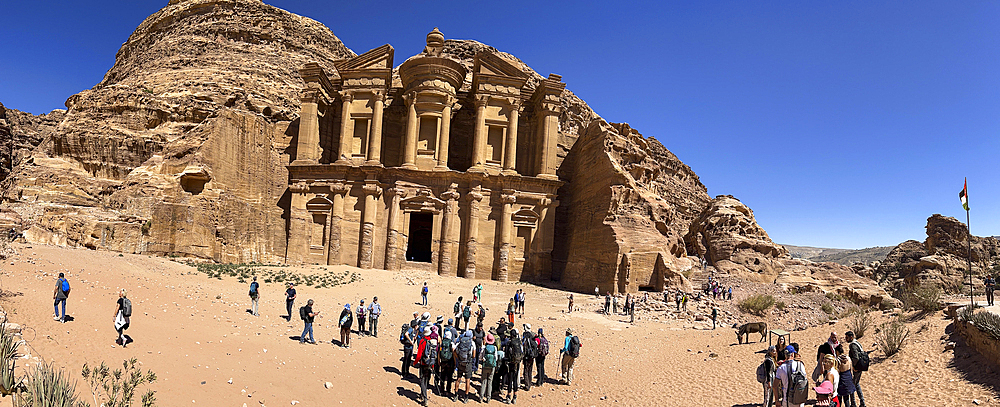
406	338
513	366
289	300
540	359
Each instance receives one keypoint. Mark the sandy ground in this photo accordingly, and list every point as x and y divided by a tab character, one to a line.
196	334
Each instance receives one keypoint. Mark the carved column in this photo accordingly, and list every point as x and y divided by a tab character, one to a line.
337	191
442	147
444	259
298	238
510	161
345	137
375	132
365	257
307	148
507	200
550	136
410	141
544	233
474	197
392	244
479	137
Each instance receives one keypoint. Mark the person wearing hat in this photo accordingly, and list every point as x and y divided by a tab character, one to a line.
289	300
307	329
362	317
783	376
374	311
491	355
425	345
568	359
543	351
254	296
480	313
465	353
60	295
345	322
824	394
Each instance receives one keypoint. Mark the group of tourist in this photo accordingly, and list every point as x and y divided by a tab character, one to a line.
345	321
837	375
716	290
627	308
122	315
446	357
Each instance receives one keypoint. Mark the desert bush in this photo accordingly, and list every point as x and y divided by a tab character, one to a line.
757	304
833	296
117	387
892	336
987	322
925	298
859	322
49	387
8	356
828	308
780	305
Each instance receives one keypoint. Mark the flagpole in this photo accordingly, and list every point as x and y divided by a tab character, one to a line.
967	224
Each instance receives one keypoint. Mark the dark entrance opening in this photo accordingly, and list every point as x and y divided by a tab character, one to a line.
419	246
647	288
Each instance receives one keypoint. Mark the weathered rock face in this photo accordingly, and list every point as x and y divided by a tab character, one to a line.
727	236
20	133
941	260
623	212
181	148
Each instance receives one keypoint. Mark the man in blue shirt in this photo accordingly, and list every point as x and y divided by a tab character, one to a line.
254	296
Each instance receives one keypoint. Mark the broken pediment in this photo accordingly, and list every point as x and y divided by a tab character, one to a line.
378	58
423	202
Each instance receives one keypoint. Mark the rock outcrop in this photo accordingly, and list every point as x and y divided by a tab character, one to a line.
623	212
941	260
728	236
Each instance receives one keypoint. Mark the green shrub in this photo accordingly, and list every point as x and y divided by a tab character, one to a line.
757	304
924	298
145	227
779	305
49	387
892	336
8	355
987	322
859	322
117	387
828	308
833	296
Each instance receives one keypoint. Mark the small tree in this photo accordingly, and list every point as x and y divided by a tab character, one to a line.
757	304
118	387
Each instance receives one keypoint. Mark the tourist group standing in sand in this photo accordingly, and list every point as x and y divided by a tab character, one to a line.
837	376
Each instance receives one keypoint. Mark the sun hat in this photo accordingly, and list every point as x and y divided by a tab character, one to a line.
824	388
427	331
569	331
527	327
440	318
434	328
489	339
468	334
771	349
425	316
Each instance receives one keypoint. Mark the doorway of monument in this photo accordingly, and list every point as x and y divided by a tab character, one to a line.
418	247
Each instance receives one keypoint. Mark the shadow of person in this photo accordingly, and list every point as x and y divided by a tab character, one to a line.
410	394
412	378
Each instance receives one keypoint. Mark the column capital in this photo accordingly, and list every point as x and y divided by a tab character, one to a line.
475	194
372	188
509	196
482	100
378	95
299	187
515	103
311	95
451	193
339	187
395	191
347	96
410	98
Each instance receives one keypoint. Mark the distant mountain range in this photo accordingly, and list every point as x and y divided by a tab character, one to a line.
846	257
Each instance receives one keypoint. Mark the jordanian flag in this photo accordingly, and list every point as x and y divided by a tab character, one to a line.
964	195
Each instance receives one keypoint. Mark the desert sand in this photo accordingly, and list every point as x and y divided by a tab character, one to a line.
196	334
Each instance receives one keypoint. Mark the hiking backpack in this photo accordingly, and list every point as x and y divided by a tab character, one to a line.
430	355
467	313
543	346
457	307
574	347
465	351
253	288
490	356
764	373
863	361
127	308
798	386
65	286
514	350
446	353
302	313
530	348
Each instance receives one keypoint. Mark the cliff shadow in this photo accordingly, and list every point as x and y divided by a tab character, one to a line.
971	364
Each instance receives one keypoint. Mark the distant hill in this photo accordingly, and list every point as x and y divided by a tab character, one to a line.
839	256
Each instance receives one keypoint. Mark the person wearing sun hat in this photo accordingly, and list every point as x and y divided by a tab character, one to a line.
345	322
491	355
824	393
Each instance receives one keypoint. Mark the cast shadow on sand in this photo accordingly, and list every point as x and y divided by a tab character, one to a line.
971	364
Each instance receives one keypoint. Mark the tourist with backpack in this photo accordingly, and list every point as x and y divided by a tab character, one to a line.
406	339
374	311
457	309
290	299
569	352
345	322
515	354
427	354
543	351
123	315
530	352
489	360
423	294
362	317
478	338
765	374
859	363
467	314
511	307
480	314
446	373
60	295
307	315
254	296
465	361
791	387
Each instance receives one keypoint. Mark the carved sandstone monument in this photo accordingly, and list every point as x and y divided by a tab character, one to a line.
233	131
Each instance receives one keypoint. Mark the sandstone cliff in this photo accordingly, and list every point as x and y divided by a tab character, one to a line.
181	148
623	212
941	260
728	236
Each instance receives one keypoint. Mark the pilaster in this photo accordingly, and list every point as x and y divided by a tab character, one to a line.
307	147
375	132
507	199
345	121
479	137
443	140
444	260
392	244
366	248
474	197
410	141
510	159
337	191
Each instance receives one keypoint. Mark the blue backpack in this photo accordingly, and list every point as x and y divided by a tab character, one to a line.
65	286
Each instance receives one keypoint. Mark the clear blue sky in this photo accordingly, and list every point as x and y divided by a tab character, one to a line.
841	124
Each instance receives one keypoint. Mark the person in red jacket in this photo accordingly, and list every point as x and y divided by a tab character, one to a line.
425	345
